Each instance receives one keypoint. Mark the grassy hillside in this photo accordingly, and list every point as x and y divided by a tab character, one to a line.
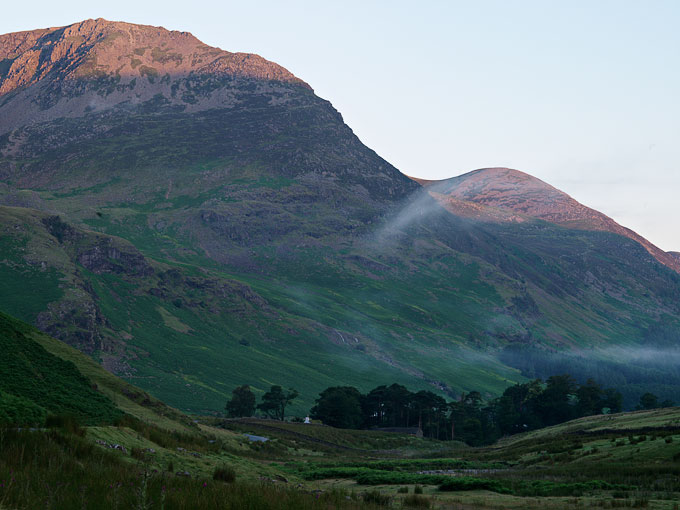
189	334
45	376
165	460
189	331
35	382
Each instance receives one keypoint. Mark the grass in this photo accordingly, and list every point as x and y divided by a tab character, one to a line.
61	471
44	382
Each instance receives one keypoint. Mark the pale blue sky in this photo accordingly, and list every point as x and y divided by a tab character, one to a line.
582	94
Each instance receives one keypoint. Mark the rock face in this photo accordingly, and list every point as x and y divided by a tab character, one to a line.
97	64
503	194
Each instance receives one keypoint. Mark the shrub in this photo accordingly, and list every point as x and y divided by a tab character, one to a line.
66	423
669	439
416	501
225	474
472	484
418	489
375	497
138	453
20	411
403	490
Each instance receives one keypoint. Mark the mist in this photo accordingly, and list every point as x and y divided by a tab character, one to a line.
632	370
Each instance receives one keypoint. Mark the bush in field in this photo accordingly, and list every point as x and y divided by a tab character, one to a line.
417	501
224	474
376	498
418	489
402	490
472	484
66	423
138	453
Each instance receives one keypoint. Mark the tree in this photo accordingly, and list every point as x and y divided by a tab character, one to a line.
516	409
648	401
340	407
242	402
274	402
612	400
555	404
373	406
589	399
397	405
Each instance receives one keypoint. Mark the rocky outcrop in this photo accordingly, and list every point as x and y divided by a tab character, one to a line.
97	64
106	257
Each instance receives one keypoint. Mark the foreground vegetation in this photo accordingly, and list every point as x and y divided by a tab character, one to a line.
116	447
588	463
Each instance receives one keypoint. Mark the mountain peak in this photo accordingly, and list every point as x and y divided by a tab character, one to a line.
504	194
63	72
94	47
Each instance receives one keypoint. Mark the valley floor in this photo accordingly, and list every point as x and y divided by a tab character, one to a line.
630	460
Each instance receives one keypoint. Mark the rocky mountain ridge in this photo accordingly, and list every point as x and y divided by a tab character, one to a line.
507	195
97	64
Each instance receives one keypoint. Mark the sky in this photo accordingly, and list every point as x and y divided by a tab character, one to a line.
584	95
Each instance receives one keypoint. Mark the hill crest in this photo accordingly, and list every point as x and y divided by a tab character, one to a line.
508	195
94	64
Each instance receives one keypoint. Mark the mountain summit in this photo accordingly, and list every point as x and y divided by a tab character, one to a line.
89	86
95	64
504	194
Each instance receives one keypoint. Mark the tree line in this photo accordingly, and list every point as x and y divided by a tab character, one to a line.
470	418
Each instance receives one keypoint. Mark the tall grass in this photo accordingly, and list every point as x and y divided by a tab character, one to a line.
56	470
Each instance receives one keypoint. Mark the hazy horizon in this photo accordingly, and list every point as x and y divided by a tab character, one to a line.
580	95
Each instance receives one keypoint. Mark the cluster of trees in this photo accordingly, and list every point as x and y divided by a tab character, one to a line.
273	403
651	401
522	407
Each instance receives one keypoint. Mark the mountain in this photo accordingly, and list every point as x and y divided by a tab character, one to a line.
195	220
503	194
96	64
